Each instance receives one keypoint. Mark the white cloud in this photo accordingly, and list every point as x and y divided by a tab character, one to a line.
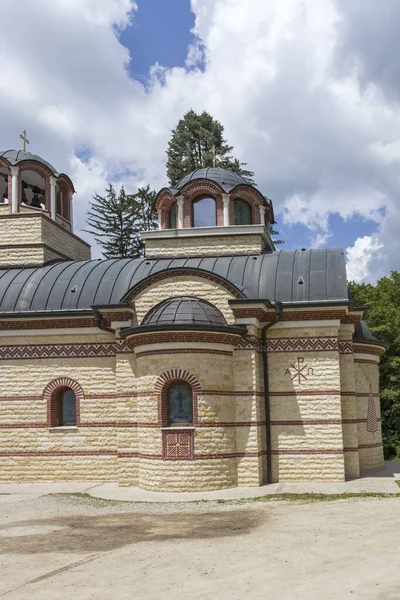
364	251
295	82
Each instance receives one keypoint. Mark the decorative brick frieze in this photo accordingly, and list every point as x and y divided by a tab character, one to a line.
57	351
345	347
314	344
249	342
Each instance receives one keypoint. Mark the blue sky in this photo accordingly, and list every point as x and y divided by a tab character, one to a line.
160	33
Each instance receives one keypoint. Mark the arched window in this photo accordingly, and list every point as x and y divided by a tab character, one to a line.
172	216
204	212
180	404
67	407
242	212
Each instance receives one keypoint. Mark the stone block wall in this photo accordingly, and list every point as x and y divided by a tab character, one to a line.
320	399
305	399
33	239
204	245
366	372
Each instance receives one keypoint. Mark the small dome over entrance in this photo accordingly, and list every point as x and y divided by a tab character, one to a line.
16	156
184	310
226	179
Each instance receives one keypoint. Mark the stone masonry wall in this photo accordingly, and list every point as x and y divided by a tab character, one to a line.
204	246
212	438
29	450
366	370
305	399
35	239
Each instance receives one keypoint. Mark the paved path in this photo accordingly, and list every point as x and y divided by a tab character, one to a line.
379	482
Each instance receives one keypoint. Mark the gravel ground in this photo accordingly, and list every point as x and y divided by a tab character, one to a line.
65	546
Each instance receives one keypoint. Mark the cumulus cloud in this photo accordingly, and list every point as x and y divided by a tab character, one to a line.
306	99
364	251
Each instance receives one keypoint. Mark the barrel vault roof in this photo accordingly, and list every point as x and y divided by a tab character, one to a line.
309	276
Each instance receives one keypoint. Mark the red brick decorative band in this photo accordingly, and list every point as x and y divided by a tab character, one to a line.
40	351
306	393
133	454
314	344
209	424
183	351
366	361
365	446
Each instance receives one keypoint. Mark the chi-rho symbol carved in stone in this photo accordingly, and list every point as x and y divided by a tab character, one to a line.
299	371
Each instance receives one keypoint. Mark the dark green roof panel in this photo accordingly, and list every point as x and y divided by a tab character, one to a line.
286	276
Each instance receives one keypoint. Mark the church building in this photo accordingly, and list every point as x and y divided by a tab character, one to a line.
212	362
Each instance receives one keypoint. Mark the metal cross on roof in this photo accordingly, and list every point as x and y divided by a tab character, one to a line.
24	138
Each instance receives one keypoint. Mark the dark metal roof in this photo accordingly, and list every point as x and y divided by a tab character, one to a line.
226	179
362	331
317	276
16	156
184	310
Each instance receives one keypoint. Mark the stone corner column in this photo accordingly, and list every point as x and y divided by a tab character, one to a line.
53	183
262	214
14	189
159	218
71	211
226	201
180	202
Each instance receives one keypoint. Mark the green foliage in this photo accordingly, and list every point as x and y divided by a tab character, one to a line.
383	318
198	141
115	221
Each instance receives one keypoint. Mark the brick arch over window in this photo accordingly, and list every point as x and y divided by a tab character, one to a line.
164	202
201	189
40	169
51	395
254	199
66	189
162	386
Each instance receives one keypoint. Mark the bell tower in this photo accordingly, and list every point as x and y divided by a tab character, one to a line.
36	216
211	212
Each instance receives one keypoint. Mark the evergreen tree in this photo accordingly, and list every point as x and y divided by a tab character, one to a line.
145	212
115	221
198	141
383	318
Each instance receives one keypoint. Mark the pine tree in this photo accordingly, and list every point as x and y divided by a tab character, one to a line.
198	141
145	212
115	221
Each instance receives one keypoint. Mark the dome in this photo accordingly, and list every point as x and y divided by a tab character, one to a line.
16	156
363	331
226	179
184	311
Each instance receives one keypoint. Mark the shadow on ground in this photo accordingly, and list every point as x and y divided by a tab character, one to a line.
102	533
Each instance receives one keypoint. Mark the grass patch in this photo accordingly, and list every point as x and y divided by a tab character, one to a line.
310	497
398	482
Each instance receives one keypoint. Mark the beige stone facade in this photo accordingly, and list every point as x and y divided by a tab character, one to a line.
32	238
318	387
118	335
